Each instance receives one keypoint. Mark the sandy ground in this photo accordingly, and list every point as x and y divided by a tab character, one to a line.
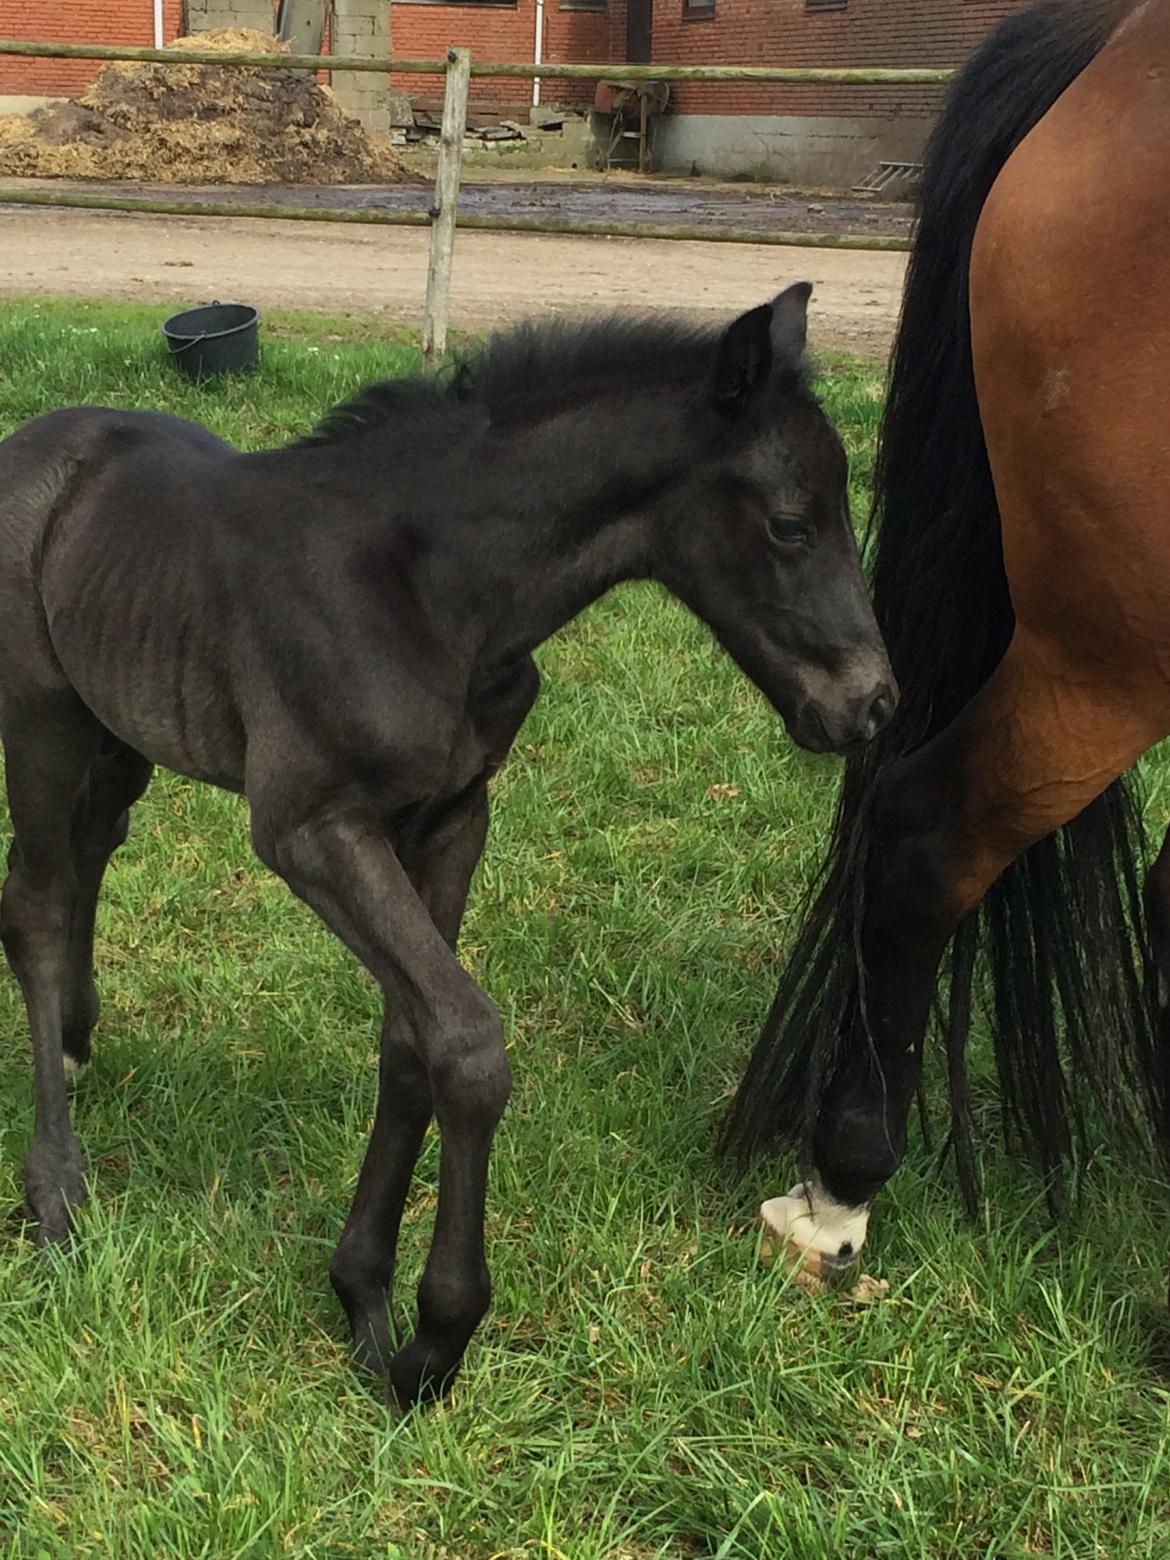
498	277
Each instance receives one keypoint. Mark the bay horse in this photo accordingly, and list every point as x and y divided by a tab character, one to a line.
342	630
1022	582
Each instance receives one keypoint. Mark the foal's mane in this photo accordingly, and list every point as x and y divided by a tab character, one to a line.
535	368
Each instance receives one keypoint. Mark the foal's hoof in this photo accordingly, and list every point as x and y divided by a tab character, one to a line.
418	1378
74	1069
54	1186
373	1345
811	1234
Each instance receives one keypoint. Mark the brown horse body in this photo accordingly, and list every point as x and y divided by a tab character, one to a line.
1070	311
1030	553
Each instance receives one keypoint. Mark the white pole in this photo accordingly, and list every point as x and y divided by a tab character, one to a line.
538	51
446	206
159	29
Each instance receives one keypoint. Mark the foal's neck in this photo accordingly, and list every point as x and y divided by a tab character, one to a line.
567	509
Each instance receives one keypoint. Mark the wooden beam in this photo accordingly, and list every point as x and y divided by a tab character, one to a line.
568	72
568	226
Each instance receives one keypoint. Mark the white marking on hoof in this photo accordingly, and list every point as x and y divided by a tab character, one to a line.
808	1228
73	1068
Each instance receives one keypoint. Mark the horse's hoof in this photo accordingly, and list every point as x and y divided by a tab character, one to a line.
809	1233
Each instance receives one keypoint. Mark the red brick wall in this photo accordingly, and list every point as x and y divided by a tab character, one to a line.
499	33
741	32
903	33
129	22
422	31
582	38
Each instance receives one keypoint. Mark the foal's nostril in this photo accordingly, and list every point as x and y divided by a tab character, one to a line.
816	733
879	714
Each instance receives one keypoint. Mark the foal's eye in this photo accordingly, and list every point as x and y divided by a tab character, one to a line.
789	533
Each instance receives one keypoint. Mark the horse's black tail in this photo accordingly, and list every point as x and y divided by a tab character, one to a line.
1057	943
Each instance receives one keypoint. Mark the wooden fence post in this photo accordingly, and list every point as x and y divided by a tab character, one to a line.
446	205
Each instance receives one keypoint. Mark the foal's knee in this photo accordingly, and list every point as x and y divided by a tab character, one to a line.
470	1074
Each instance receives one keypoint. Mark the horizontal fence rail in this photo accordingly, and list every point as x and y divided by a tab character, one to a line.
600	227
352	62
444	216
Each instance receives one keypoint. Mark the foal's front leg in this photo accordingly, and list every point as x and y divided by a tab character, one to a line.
362	1271
343	866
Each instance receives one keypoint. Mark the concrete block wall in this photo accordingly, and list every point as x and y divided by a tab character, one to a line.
811	151
363	27
215	15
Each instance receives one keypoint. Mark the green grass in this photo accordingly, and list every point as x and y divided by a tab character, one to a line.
642	1386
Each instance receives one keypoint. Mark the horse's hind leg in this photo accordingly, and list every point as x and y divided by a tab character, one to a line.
1042	740
1157	904
50	743
101	820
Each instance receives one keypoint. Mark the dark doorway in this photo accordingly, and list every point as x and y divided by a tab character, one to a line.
639	31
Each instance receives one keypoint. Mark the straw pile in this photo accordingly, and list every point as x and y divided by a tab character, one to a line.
200	124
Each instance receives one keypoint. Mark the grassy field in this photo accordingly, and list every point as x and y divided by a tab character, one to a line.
642	1387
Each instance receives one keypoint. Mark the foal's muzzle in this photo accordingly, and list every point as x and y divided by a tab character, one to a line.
825	728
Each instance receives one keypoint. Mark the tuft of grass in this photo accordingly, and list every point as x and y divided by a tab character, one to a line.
642	1387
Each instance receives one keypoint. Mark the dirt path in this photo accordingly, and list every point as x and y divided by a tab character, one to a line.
498	277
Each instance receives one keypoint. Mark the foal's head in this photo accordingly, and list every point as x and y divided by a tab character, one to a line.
758	541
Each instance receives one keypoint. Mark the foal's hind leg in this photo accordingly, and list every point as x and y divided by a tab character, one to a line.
50	741
1041	741
117	778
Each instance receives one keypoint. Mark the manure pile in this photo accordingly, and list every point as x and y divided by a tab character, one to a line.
200	124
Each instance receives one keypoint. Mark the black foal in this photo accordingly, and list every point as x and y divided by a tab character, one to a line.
342	630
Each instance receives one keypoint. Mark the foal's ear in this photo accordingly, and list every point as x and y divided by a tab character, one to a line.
743	359
790	323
